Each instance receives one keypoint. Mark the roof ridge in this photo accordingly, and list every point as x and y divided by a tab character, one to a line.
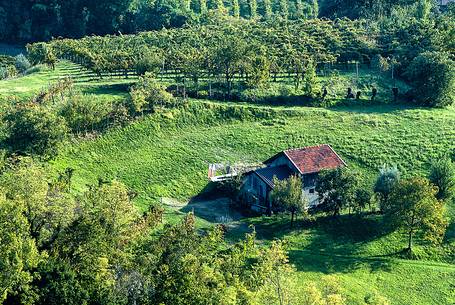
305	147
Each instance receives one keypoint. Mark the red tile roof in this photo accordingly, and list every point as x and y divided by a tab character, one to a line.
312	159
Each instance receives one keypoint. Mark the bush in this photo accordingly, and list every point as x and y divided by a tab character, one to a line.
84	113
442	174
34	129
149	94
21	63
432	75
7	72
35	69
150	61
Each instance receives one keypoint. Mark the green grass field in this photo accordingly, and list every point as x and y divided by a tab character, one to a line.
157	156
167	154
87	82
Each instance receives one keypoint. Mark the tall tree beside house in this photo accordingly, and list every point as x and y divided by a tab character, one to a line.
267	9
388	177
413	208
336	189
442	174
287	195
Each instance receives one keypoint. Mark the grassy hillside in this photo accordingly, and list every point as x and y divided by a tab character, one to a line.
167	154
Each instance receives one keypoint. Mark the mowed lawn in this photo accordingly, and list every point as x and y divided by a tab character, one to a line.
156	158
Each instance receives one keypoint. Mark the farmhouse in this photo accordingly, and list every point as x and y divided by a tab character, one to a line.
304	162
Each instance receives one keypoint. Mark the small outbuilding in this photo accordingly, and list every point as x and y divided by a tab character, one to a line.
304	162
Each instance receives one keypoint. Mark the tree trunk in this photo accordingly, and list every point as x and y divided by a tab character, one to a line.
410	241
292	219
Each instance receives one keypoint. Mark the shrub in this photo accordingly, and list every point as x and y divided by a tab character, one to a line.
34	129
442	174
35	69
432	75
149	94
387	179
21	63
7	72
150	61
83	113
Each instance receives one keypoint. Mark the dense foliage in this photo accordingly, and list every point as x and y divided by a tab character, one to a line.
226	54
97	248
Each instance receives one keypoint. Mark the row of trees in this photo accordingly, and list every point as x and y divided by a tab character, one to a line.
25	21
227	51
415	205
224	49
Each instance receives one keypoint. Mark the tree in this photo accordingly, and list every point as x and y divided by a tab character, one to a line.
315	9
186	6
287	195
219	5
284	10
336	189
203	6
42	53
34	129
47	208
413	207
442	174
362	199
253	5
258	70
299	9
310	80
267	9
432	75
230	56
148	94
21	63
235	8
385	182
423	9
18	252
